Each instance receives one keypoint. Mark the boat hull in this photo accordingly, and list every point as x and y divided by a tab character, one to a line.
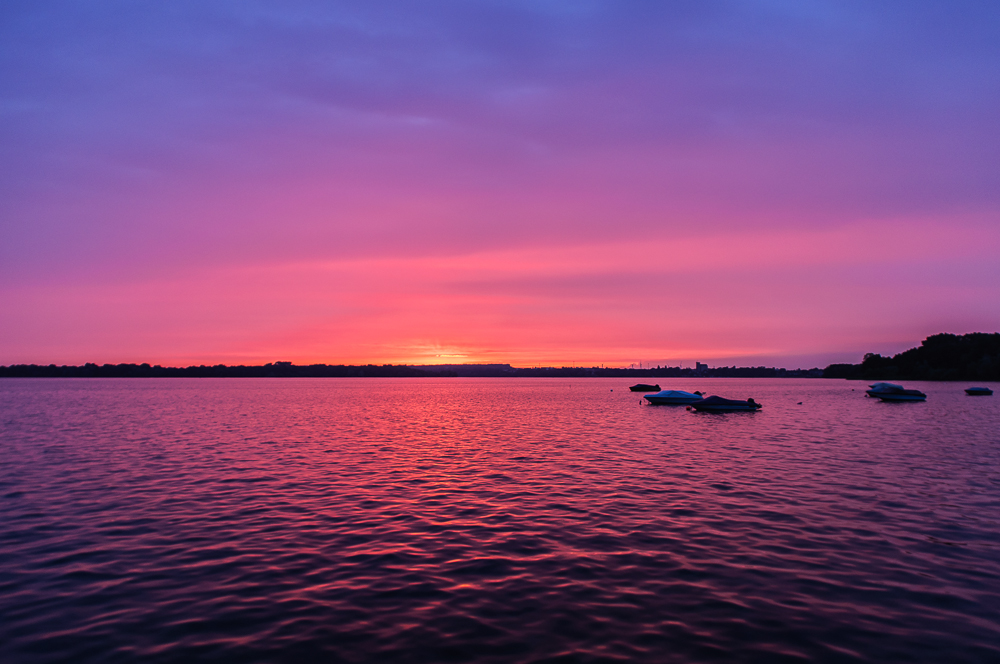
888	396
724	409
979	392
669	401
716	404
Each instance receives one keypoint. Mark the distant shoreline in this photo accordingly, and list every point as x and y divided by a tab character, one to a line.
940	357
289	370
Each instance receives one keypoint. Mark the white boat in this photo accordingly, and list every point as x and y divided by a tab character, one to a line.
893	392
673	398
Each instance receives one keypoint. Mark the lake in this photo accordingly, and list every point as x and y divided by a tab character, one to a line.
495	520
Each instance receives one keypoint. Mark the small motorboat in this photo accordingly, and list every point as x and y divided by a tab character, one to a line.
643	387
893	392
714	404
673	398
973	391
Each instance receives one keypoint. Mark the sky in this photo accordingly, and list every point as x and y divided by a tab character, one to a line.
763	182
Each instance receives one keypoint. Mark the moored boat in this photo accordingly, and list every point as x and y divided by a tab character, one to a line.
673	398
715	404
643	387
973	391
893	392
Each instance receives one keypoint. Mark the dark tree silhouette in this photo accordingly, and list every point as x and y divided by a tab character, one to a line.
974	356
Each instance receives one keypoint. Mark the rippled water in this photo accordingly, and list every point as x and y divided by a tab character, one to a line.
528	520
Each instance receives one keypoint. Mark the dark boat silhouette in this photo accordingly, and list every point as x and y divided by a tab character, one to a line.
643	387
978	391
715	404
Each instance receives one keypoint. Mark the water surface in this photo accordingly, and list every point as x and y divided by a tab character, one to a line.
494	520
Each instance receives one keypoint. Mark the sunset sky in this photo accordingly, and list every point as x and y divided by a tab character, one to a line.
778	182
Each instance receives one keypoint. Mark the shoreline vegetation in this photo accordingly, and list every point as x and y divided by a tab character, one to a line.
973	356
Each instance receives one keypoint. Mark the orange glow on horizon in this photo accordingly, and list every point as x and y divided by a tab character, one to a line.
733	298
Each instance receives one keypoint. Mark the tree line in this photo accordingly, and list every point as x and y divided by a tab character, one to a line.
973	356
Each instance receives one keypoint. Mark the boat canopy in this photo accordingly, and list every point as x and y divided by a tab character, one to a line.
884	387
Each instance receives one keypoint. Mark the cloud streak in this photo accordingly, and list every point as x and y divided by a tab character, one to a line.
744	297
